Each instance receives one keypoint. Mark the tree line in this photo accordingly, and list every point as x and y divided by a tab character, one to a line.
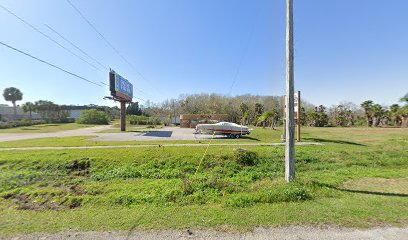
50	111
267	111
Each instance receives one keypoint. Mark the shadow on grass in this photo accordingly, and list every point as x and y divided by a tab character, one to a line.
333	141
251	138
364	191
30	129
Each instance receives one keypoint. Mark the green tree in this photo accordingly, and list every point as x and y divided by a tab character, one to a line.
93	116
45	108
395	116
13	95
367	106
134	109
29	107
268	118
245	113
378	113
259	110
318	117
404	99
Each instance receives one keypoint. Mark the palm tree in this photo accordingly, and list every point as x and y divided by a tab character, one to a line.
29	107
378	113
267	118
394	109
13	95
367	105
404	99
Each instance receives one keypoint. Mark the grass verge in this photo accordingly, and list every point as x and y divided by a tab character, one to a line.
354	180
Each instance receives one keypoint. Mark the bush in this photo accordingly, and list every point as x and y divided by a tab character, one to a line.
143	120
93	117
245	157
21	123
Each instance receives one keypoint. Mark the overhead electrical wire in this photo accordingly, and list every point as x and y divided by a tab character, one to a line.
244	52
110	44
75	46
49	64
53	30
48	37
241	60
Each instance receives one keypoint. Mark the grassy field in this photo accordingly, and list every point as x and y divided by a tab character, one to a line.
358	177
45	128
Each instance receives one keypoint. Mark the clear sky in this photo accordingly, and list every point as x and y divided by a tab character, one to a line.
345	50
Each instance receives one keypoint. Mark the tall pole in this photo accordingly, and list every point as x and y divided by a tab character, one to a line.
122	116
290	120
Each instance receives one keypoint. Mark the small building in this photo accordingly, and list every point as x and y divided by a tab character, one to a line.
191	120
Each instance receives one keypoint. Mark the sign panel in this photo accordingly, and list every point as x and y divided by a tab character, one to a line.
296	102
120	87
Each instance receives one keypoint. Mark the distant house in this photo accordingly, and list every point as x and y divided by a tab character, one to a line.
75	113
7	113
173	120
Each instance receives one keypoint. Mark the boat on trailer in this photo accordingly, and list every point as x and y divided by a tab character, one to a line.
232	130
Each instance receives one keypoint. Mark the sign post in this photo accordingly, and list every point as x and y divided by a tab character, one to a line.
121	90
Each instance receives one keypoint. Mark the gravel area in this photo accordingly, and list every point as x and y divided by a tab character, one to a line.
289	233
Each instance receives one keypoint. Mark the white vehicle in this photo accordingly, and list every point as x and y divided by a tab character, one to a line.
232	130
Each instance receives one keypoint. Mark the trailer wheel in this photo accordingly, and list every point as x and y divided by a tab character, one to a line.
231	136
237	136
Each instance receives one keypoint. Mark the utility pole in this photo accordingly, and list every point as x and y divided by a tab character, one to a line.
290	115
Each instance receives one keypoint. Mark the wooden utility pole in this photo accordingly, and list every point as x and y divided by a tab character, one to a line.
290	118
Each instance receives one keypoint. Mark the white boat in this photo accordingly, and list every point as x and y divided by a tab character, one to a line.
232	130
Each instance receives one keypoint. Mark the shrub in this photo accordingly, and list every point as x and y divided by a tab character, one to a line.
93	117
21	123
245	157
143	120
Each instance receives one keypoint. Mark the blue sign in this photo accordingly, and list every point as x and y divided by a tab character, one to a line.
123	86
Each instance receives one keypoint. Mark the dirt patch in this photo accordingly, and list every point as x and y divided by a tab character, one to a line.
25	202
80	167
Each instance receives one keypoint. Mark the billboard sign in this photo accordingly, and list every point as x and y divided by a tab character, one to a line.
120	87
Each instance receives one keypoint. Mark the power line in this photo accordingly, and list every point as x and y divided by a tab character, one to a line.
240	62
48	37
109	44
75	46
244	52
50	64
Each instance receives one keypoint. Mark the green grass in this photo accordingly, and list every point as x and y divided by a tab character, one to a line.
45	128
358	178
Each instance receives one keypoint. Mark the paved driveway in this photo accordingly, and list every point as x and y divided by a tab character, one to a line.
164	134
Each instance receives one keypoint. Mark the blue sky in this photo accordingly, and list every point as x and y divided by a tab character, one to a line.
345	50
